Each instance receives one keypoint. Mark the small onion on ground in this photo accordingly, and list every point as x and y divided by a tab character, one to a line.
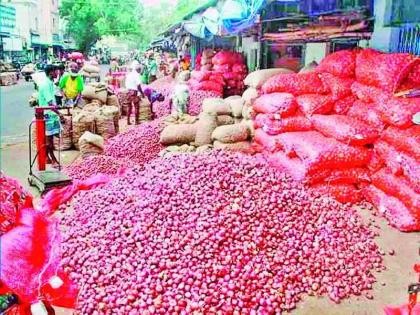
97	164
139	144
215	232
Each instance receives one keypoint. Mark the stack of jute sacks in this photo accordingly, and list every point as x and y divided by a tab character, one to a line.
91	71
220	125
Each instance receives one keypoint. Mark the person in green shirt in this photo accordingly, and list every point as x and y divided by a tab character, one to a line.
71	84
46	98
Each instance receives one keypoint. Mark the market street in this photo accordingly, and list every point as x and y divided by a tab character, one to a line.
15	112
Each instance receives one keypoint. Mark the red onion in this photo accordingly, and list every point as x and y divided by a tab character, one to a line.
217	232
139	144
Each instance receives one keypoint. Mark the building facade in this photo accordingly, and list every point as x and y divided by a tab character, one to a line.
38	27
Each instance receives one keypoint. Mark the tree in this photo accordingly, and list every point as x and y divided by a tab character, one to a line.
159	17
89	20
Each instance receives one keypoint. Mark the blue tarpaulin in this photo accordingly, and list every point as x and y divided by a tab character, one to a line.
238	15
233	17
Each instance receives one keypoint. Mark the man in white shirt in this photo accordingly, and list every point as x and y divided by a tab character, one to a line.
133	84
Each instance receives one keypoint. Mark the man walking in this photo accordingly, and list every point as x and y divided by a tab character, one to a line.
133	84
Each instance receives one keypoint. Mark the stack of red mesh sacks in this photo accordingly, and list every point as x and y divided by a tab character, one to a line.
395	167
324	127
223	76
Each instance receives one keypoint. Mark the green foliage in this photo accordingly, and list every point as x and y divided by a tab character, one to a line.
158	18
89	20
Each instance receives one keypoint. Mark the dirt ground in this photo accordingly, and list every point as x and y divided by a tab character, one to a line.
391	286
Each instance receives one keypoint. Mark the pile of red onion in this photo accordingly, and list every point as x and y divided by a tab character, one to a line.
92	165
196	100
139	144
217	232
166	86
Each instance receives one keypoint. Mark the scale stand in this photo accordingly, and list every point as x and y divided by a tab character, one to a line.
42	178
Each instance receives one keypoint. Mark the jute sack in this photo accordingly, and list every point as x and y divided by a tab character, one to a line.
178	134
250	95
82	122
204	148
104	123
250	125
214	105
65	142
247	111
145	110
112	100
257	78
225	120
231	133
183	119
96	91
91	69
91	107
114	112
236	104
242	146
91	144
205	127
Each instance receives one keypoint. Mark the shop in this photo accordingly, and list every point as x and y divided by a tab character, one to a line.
296	33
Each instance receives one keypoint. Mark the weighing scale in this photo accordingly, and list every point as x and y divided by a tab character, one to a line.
42	178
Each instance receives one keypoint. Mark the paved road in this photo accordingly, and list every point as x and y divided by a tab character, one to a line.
15	113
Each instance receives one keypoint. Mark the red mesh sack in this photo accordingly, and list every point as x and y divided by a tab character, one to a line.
398	188
319	152
407	140
229	76
402	309
339	87
217	78
221	68
354	175
272	125
224	57
283	104
399	163
368	113
269	143
200	75
344	193
392	209
296	84
311	104
366	93
12	198
413	78
341	107
239	68
29	254
391	157
341	63
385	71
210	86
398	112
345	129
375	162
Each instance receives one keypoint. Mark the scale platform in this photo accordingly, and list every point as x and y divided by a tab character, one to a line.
48	179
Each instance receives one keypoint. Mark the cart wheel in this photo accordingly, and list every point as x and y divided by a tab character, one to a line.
27	78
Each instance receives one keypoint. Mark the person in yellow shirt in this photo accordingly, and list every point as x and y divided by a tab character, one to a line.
71	84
